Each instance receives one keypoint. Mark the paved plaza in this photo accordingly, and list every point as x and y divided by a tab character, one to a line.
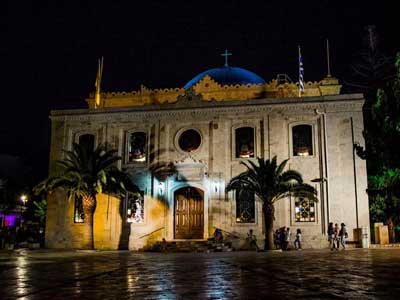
308	274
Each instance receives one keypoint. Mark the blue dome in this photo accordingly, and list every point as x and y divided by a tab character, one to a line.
228	76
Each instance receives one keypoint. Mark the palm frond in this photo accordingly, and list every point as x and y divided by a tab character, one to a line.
270	182
281	167
291	175
86	172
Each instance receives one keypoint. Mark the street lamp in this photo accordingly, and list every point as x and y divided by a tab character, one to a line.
24	198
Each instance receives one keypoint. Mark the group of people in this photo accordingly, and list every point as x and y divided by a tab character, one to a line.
282	238
337	236
13	237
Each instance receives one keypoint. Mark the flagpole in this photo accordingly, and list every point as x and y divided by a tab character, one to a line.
328	58
97	97
299	73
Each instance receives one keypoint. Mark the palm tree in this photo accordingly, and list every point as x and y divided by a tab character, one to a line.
270	183
86	173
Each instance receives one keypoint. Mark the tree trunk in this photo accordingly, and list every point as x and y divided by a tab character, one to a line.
89	205
268	210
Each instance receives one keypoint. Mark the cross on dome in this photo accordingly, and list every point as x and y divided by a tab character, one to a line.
226	54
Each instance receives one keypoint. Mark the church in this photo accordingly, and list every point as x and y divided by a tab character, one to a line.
182	145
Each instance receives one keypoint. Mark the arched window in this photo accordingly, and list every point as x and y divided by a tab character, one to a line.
304	210
137	147
244	142
245	206
87	140
302	140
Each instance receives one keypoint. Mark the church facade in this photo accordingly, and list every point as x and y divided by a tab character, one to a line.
182	146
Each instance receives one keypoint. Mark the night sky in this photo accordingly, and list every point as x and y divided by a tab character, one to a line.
49	50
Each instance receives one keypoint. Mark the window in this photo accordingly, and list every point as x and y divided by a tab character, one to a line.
302	140
304	210
79	215
245	206
135	208
87	140
244	142
189	140
137	147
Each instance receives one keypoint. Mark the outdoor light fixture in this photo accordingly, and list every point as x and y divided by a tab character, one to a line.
318	180
216	186
161	188
24	198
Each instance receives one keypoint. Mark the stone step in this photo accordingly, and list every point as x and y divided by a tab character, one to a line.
194	246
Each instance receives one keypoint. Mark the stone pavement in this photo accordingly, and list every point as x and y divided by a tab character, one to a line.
313	274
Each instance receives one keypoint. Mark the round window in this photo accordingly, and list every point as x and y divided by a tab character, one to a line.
189	140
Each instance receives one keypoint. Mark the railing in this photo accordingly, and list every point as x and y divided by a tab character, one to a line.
147	234
229	233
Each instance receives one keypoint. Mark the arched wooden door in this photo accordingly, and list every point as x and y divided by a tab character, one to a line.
189	213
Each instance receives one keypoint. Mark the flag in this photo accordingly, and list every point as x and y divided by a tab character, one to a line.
301	74
97	84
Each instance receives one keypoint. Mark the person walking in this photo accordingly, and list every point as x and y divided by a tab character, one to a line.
282	237
336	237
297	241
277	239
287	238
343	235
252	240
331	236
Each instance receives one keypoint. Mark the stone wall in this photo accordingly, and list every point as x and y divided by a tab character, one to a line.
62	232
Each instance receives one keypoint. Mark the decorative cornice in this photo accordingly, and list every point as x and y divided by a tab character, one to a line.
206	109
189	160
208	89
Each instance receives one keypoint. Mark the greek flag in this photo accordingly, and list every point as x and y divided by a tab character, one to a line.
301	74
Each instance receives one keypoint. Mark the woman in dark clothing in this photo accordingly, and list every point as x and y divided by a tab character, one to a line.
331	235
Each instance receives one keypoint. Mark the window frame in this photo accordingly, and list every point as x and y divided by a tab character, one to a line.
255	139
179	133
145	207
295	221
81	133
236	222
126	146
142	192
74	209
313	140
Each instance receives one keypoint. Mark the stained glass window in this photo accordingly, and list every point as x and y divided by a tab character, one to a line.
244	142
302	140
79	215
304	210
135	208
137	147
245	207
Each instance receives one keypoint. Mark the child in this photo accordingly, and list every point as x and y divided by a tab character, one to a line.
297	241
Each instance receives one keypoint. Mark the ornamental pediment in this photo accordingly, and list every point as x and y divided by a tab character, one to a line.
190	169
